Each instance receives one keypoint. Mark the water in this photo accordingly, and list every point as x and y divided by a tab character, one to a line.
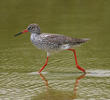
20	60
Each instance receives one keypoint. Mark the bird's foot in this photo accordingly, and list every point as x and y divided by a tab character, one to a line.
80	68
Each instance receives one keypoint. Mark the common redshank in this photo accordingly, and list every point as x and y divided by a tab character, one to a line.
53	42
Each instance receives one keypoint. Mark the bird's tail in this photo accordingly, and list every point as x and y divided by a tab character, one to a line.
77	42
81	41
85	40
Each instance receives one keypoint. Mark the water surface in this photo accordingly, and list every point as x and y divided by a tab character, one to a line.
61	80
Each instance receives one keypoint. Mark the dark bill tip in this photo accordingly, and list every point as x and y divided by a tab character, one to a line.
18	34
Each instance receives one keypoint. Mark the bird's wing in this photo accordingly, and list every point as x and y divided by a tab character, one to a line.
61	39
57	38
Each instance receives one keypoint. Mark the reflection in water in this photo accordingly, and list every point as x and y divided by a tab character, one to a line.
52	94
76	85
44	79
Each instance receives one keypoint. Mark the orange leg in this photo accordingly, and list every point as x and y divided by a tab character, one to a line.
80	68
44	65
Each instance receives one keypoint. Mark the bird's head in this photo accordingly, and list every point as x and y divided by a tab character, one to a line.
32	28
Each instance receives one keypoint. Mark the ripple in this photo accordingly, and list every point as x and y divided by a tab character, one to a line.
35	73
98	73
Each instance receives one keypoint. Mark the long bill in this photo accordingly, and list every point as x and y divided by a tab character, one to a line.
21	33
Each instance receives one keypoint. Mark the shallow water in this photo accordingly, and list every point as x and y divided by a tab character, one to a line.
60	80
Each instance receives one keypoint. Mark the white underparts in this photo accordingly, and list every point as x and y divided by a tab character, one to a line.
65	46
48	54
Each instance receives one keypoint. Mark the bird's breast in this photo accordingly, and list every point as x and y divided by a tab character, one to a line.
36	40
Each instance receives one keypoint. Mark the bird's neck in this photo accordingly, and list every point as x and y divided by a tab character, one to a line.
34	36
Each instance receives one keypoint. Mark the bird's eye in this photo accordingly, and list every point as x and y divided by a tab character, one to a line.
29	28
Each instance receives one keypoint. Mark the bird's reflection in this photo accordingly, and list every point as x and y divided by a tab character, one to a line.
44	79
77	81
76	85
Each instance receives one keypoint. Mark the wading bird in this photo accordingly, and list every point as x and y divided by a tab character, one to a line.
53	42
